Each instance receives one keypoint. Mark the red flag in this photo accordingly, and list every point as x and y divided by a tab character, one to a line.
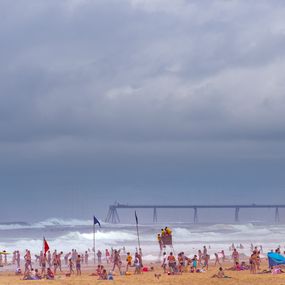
46	246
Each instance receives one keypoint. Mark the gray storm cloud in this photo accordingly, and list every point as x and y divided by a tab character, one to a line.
141	90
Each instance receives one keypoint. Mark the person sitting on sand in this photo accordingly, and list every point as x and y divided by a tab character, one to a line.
236	267
98	270
110	276
18	271
37	275
266	271
277	270
220	274
104	275
28	275
244	266
50	274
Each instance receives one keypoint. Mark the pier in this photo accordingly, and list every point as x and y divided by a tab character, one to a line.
113	216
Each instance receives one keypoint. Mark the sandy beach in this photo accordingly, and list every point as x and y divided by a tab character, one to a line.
243	277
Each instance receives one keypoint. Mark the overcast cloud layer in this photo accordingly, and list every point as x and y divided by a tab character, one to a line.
135	100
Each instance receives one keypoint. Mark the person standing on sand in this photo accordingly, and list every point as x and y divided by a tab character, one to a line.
28	260
5	258
258	260
18	258
99	256
223	256
58	259
171	263
200	257
139	256
66	258
116	260
78	265
137	264
217	260
14	257
49	259
107	255
194	263
86	257
129	261
205	251
41	257
43	264
235	256
54	262
164	262
206	261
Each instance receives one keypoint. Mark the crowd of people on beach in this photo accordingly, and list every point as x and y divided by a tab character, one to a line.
199	263
47	266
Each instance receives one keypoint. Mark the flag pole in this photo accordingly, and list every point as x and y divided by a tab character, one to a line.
95	221
94	242
138	234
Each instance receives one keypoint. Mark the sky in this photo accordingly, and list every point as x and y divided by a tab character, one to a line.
139	101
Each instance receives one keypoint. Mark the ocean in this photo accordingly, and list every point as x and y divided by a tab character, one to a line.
65	235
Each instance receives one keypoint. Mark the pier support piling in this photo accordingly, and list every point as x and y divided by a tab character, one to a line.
196	219
277	217
154	215
113	216
237	215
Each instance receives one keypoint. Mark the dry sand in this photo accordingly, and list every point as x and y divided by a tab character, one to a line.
243	277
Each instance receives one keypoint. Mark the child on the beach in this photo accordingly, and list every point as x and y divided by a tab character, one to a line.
129	261
70	265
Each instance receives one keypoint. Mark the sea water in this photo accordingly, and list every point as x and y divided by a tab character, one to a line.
65	235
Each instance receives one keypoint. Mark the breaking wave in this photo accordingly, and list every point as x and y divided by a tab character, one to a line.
52	222
73	233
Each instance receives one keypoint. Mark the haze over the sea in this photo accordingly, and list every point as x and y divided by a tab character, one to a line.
141	101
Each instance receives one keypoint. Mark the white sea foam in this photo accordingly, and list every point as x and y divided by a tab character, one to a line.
68	234
52	222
